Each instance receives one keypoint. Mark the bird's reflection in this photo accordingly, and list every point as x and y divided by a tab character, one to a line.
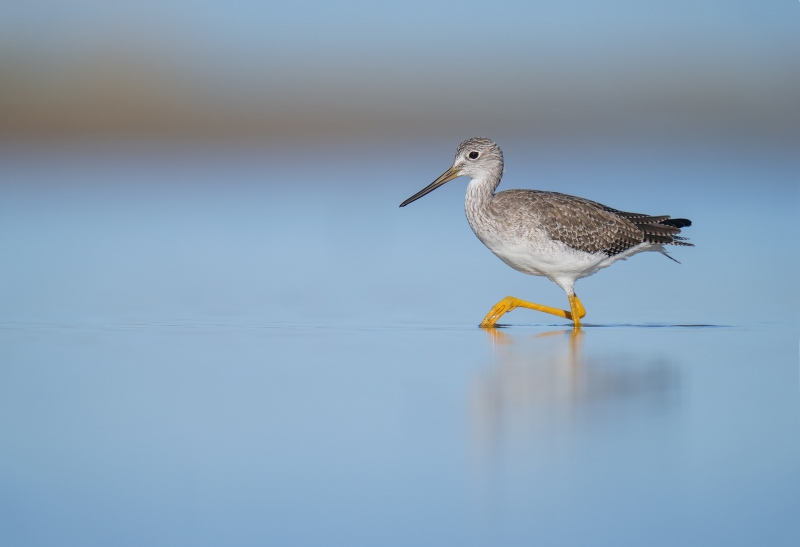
538	383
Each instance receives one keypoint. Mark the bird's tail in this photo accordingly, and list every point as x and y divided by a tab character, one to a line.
662	230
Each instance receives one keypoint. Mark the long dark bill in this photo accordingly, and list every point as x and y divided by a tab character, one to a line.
447	176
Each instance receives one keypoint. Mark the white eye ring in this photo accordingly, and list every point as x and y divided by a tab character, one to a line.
473	155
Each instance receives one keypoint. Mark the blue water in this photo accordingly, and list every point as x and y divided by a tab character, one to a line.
237	345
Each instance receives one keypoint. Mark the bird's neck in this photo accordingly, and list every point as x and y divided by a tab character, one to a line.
480	192
481	189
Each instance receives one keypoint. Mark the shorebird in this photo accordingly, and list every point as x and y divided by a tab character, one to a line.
558	236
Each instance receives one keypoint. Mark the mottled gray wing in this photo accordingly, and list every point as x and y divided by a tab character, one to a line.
661	229
589	226
580	224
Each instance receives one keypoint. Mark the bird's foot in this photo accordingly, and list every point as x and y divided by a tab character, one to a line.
509	303
577	310
498	310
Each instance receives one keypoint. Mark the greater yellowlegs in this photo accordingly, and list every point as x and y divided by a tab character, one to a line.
561	237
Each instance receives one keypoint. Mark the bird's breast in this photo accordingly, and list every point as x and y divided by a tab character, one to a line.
523	247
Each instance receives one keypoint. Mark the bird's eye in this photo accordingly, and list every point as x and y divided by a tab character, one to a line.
474	155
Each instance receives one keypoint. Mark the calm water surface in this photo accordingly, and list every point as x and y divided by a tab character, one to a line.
247	348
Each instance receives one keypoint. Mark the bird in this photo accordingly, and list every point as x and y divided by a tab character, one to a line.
561	237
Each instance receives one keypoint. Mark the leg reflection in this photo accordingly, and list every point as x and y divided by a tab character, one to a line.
536	380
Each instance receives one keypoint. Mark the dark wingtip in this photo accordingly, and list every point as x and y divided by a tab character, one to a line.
677	222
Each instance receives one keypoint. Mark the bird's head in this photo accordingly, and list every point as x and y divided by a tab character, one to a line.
475	158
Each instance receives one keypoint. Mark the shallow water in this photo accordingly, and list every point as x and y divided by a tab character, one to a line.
237	347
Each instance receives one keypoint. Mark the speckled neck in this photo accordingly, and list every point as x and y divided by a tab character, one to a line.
480	192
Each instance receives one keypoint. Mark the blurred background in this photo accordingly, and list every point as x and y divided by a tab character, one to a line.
277	71
217	326
243	161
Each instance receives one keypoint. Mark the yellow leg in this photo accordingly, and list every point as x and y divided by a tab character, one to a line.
577	310
509	303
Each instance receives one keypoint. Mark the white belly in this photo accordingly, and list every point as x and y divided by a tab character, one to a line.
552	260
555	260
